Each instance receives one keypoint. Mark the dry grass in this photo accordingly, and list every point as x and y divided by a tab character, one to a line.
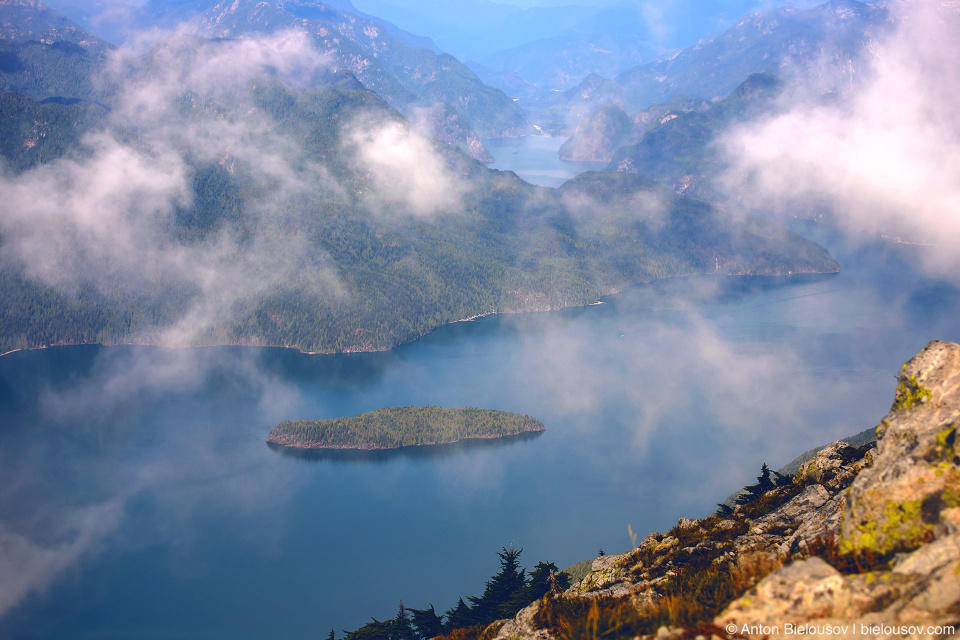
471	633
691	599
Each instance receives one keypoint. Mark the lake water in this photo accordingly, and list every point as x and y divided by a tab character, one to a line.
140	499
535	159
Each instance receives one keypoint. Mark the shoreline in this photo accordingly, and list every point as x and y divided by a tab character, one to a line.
359	350
422	445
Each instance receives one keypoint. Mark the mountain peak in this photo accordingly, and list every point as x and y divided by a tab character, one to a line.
22	20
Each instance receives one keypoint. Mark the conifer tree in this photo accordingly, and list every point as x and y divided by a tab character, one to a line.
500	593
373	630
426	621
755	491
545	578
722	510
402	629
781	480
459	616
332	634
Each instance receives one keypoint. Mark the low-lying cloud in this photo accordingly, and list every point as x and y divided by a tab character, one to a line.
28	566
408	172
884	161
184	469
106	216
95	217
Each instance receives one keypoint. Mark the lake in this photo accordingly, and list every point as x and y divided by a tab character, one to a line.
536	159
141	500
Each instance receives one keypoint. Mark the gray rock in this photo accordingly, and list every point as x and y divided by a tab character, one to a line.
823	521
898	500
824	466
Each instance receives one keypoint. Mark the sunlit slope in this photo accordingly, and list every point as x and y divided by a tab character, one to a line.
685	153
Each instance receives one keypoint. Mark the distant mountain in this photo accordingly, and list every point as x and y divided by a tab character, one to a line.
561	62
472	29
401	74
679	150
607	128
44	54
787	42
171	13
441	95
26	20
249	212
478	31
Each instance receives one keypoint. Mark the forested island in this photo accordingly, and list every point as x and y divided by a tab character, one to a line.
395	427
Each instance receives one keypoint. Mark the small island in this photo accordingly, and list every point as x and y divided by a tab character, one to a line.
395	427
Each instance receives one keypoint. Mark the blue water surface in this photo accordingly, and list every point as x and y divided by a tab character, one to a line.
140	499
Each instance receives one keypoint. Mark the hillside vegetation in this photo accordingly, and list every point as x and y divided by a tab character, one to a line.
396	427
253	210
682	152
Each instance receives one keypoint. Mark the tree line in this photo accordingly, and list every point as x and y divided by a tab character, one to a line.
394	427
504	595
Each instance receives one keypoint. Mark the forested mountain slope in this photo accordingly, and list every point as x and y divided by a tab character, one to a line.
401	74
683	151
243	191
43	54
826	43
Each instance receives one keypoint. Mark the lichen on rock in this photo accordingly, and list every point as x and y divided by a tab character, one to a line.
896	504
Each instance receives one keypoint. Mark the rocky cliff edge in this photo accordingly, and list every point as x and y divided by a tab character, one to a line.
865	543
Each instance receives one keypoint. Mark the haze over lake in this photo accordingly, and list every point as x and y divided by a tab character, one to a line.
145	502
535	159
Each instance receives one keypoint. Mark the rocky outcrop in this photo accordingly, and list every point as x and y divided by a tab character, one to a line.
900	522
864	543
443	122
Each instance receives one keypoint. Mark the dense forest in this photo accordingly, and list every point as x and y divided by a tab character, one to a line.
395	427
684	153
504	594
325	254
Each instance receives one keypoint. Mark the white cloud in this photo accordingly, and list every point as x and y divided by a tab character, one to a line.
95	217
886	160
408	172
28	565
106	215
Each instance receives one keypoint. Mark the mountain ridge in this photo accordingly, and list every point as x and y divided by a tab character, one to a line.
399	73
783	42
